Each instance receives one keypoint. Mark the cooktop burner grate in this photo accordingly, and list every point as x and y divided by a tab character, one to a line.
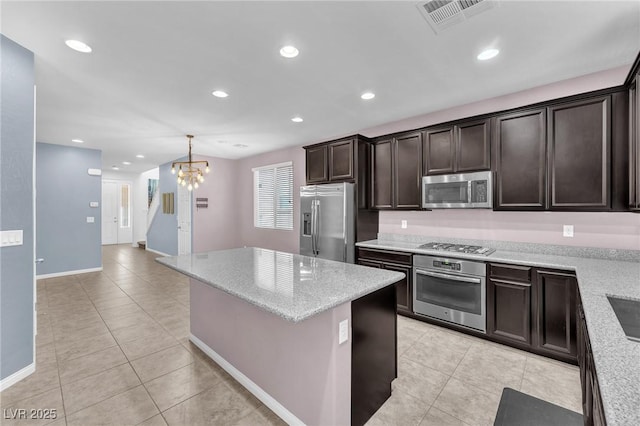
458	248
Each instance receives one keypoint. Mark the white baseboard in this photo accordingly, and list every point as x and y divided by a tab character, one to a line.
17	376
157	252
256	390
65	273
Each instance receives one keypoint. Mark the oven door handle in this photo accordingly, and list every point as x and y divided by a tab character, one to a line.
450	277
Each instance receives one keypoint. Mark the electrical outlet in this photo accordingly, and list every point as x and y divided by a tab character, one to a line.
343	331
567	230
403	224
91	219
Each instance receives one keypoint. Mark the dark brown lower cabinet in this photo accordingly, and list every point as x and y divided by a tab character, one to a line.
509	310
393	261
592	410
533	309
556	313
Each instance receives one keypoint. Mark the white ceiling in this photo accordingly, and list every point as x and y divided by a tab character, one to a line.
149	79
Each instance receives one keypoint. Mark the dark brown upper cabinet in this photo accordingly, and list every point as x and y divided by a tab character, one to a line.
579	135
464	147
317	164
341	160
331	162
520	150
439	151
473	146
396	173
381	174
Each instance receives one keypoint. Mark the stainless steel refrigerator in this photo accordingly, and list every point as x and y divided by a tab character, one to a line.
327	221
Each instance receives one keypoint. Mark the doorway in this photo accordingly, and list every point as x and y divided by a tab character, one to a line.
184	220
116	212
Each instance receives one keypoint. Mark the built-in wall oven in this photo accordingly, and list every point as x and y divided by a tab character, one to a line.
452	290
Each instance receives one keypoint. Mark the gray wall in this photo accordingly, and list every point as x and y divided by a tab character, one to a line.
16	201
163	233
63	191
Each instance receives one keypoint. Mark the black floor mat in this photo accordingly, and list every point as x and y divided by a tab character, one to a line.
519	409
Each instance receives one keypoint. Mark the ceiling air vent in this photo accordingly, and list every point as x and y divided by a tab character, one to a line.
442	14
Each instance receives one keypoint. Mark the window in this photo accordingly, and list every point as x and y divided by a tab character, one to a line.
125	211
273	196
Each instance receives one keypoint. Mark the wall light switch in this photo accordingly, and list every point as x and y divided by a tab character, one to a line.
343	331
567	230
93	204
11	238
91	219
403	224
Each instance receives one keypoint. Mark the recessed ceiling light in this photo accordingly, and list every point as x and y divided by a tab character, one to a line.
368	95
78	46
139	156
289	52
241	145
219	94
77	140
297	119
126	163
115	167
488	54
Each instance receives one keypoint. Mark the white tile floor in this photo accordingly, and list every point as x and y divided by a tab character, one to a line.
112	348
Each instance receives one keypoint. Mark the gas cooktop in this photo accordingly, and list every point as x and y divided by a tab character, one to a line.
458	248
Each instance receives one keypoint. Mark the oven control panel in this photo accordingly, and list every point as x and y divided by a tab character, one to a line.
443	264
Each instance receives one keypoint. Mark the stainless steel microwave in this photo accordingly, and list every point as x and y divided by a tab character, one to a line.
458	191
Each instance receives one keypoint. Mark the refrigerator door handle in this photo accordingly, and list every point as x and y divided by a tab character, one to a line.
314	226
317	226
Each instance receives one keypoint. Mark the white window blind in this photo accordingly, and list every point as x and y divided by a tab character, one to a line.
273	195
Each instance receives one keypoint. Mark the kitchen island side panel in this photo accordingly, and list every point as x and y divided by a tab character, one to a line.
300	365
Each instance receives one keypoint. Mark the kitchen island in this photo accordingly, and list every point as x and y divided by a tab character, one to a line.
313	339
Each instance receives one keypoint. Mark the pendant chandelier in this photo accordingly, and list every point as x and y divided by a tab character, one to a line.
190	172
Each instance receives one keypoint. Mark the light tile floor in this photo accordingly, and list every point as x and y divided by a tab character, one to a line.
113	348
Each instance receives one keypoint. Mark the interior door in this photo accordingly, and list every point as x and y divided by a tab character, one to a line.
109	212
184	220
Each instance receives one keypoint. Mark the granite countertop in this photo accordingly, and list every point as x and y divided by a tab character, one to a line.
293	286
617	359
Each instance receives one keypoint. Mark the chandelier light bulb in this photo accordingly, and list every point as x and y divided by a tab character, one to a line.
190	173
207	169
